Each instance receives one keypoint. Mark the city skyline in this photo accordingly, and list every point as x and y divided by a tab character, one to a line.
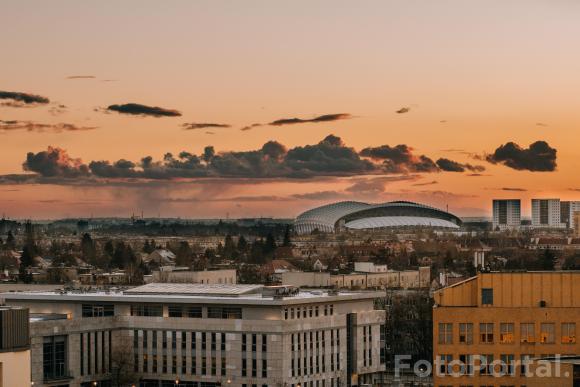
447	104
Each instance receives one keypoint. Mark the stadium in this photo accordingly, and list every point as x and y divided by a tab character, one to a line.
353	216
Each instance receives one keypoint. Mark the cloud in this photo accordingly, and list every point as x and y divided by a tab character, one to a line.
249	127
30	126
376	185
329	158
454	166
81	77
54	162
143	110
18	99
513	189
433	182
57	109
323	118
403	110
541	124
538	157
399	159
197	125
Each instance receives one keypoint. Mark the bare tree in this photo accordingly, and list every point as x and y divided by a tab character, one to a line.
122	367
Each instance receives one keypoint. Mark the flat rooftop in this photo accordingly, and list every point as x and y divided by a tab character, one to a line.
228	294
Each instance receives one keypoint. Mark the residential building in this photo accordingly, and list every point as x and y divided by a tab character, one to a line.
487	328
163	334
567	210
546	213
369	267
507	214
14	347
576	218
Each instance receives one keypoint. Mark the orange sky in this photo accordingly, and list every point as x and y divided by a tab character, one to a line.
492	70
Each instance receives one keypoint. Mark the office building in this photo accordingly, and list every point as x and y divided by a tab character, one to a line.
546	213
14	347
507	214
204	336
487	328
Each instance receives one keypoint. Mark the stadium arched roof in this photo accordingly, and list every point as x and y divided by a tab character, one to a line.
359	215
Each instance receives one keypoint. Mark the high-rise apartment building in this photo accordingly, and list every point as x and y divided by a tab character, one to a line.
547	213
567	210
506	214
204	336
486	329
576	221
14	347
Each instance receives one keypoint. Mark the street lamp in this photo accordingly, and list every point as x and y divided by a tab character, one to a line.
176	382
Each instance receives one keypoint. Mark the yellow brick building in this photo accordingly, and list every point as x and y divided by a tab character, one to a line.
485	328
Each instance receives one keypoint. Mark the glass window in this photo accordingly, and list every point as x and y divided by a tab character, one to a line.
527	334
506	333
146	310
487	296
54	357
547	333
98	310
445	333
568	333
224	312
486	333
466	333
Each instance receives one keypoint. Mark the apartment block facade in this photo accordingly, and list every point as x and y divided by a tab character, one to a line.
507	214
160	335
487	329
547	213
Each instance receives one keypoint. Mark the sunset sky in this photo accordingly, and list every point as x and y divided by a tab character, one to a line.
452	82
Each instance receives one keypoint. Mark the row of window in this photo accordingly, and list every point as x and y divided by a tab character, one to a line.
308	311
332	382
485	364
186	340
95	352
191	311
314	362
547	333
367	346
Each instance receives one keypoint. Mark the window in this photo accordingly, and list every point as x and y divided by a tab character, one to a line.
506	333
184	311
527	334
486	333
146	310
444	364
98	310
547	335
445	333
508	365
568	333
224	312
466	333
466	364
525	361
54	357
486	365
487	296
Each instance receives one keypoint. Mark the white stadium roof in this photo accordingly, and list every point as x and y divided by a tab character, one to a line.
398	221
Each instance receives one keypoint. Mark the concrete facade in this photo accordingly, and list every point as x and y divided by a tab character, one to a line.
309	339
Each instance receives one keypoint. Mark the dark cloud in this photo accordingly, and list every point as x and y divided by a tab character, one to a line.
403	110
476	175
319	195
513	189
18	99
454	166
400	159
197	125
249	127
208	132
329	158
55	162
143	110
538	157
81	77
323	118
433	182
30	126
